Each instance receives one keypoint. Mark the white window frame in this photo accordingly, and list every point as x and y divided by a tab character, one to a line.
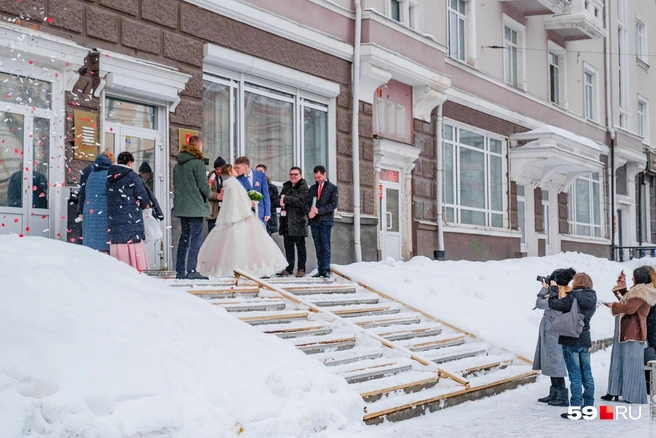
457	126
299	98
642	40
462	17
522	207
643	118
408	13
520	30
560	52
623	77
573	224
594	105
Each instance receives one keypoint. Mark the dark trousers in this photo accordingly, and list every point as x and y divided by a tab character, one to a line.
189	244
299	243
211	223
321	236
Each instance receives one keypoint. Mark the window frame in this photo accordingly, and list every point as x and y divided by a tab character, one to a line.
643	118
456	181
594	73
642	40
560	52
520	46
461	17
573	223
301	99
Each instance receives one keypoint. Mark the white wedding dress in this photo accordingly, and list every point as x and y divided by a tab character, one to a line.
239	239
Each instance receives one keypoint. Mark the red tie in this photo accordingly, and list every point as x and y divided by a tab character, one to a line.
319	191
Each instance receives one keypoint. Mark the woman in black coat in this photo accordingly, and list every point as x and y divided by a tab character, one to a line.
127	196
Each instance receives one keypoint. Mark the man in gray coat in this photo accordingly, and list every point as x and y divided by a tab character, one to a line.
191	193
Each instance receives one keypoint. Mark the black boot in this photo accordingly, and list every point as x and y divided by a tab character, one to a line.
561	398
609	397
547	399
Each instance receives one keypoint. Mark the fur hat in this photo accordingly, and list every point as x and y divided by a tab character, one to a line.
562	277
219	162
145	168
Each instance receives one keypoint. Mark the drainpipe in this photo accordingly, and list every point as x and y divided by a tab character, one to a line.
440	253
355	133
609	125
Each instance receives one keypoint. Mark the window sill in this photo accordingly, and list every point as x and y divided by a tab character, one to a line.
642	63
585	239
485	231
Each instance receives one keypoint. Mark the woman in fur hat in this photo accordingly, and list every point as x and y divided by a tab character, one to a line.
548	354
634	308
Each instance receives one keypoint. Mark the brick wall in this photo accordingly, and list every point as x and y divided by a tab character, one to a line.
172	32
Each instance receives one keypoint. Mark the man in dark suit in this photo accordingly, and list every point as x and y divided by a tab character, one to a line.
254	180
321	204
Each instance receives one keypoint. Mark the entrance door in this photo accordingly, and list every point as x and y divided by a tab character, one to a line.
547	225
26	201
390	222
147	148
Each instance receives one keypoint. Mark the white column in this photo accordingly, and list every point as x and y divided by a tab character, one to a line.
531	234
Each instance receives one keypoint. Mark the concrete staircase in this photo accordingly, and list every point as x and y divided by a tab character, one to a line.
403	362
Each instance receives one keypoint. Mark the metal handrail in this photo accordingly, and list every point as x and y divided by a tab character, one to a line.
625	253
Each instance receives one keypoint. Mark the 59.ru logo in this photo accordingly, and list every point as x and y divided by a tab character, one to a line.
605	412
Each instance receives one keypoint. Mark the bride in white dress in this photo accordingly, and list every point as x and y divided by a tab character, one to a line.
239	240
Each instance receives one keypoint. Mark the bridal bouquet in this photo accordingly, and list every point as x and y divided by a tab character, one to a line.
254	195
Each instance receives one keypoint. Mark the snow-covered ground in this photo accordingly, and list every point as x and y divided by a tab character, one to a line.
91	348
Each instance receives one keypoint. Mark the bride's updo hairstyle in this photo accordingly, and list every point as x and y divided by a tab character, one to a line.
226	170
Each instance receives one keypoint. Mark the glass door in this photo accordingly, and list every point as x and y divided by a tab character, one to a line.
147	148
25	180
391	220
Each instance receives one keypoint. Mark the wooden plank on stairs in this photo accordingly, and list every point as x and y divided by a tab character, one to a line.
273	317
367	323
321	345
417	402
377	371
227	291
351	311
409	382
441	343
410	333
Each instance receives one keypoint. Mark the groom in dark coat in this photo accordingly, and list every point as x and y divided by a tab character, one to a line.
254	180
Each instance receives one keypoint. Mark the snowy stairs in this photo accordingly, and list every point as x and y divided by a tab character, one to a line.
401	361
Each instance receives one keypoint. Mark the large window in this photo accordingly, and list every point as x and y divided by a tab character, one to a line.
513	56
643	118
474	183
457	30
585	206
395	10
641	40
590	93
556	59
275	126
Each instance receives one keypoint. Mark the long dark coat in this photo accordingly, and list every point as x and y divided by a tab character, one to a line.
126	198
92	201
296	220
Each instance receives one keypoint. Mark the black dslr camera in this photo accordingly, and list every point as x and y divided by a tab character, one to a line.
546	279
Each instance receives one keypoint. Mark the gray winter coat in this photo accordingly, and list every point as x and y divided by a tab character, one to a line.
548	353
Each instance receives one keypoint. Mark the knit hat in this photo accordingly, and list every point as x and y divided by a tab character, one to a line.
145	168
219	162
562	277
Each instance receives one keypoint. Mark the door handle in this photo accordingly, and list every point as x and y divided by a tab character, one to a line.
389	220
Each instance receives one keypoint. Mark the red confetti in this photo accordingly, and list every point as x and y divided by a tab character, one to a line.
91	211
58	234
56	75
72	239
43	217
3	225
34	188
30	62
27	229
8	95
67	64
50	20
111	129
16	220
42	195
21	235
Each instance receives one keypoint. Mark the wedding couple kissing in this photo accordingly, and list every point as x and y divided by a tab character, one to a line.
240	240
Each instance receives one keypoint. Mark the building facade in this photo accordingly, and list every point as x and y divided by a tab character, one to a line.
482	130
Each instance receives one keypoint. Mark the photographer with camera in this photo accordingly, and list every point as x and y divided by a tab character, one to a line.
548	354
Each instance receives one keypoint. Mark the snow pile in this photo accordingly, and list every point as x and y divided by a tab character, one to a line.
92	348
492	300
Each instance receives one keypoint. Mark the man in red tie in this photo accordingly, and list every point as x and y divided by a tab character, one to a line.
322	203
